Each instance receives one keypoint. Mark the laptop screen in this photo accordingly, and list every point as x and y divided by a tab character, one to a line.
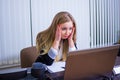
90	62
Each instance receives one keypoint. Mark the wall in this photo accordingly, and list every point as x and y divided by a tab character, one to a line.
21	20
43	13
15	31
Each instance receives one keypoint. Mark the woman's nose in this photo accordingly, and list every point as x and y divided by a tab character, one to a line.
67	32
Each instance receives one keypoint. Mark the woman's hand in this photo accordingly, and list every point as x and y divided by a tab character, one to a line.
70	38
58	34
57	38
71	35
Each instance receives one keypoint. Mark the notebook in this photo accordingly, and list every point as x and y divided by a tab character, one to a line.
89	62
56	67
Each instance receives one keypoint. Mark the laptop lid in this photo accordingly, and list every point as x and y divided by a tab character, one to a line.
90	62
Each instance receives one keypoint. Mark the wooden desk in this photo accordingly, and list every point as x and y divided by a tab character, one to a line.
60	75
55	76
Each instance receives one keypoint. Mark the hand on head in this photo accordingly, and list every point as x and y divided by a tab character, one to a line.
71	35
58	34
57	38
70	38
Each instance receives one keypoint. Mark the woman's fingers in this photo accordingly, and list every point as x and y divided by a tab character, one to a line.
58	33
71	35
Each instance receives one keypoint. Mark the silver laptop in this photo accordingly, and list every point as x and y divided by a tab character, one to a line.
90	62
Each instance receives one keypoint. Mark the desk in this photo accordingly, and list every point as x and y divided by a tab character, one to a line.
55	76
13	73
60	75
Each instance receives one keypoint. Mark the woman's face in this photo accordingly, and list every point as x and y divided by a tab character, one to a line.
66	29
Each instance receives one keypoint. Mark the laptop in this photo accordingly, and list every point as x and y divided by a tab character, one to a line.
81	64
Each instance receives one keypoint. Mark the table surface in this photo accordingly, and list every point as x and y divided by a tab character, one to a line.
60	75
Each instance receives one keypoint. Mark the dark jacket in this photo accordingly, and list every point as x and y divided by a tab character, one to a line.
45	59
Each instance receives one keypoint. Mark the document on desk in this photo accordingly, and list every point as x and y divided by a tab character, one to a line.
116	70
56	67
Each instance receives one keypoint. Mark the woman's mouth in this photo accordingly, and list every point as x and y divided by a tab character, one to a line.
65	36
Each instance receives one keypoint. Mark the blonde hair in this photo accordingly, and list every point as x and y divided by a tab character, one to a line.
44	39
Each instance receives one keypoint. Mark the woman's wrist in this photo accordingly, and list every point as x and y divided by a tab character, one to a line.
71	43
52	53
72	49
56	45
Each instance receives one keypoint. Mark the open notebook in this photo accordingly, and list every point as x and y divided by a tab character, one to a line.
56	67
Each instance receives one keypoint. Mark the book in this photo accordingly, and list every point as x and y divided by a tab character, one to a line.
56	67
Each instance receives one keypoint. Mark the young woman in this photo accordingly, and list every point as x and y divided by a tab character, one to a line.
54	43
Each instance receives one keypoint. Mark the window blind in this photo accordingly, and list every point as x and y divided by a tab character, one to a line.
14	31
104	22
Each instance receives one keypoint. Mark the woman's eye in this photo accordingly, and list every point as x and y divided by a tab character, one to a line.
63	28
70	28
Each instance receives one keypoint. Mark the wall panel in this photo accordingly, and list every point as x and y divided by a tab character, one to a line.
14	30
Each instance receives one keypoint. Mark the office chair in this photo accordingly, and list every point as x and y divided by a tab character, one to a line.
28	56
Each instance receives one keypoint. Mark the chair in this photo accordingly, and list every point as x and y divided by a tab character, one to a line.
28	56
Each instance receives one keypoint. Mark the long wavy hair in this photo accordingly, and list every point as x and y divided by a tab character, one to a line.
44	39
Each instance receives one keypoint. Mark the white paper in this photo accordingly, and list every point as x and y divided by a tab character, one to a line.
116	70
56	67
